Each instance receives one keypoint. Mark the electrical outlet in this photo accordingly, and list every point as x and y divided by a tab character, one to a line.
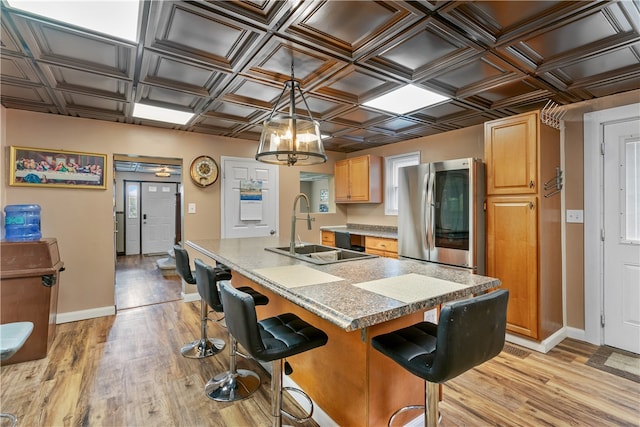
575	216
192	208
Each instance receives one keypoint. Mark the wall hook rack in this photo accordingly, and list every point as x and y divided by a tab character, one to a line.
554	183
551	114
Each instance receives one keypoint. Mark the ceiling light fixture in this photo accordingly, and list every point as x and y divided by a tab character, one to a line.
144	111
291	140
115	18
163	173
406	99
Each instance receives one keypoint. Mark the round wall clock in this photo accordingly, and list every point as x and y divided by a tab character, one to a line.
204	171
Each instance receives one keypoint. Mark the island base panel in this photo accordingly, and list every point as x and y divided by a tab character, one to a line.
351	381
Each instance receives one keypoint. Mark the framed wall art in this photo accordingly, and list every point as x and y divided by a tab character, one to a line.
36	167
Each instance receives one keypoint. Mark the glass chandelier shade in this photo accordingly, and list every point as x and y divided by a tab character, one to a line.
291	139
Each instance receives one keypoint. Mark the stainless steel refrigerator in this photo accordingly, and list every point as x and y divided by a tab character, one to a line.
441	213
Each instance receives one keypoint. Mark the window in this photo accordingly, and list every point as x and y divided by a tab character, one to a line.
392	164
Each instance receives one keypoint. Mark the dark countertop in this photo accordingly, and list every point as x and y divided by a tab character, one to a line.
340	302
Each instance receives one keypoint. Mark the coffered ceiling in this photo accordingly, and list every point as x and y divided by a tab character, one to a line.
227	61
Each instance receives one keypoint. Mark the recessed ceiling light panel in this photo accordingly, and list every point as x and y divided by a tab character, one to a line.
406	99
115	18
150	112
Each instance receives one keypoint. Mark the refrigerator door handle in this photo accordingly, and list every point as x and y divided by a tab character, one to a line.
429	211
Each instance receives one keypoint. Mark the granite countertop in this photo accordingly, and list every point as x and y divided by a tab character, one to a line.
342	300
387	232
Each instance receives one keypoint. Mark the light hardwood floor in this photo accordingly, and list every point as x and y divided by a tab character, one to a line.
126	370
139	282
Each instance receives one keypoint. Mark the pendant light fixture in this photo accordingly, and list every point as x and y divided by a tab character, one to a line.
291	140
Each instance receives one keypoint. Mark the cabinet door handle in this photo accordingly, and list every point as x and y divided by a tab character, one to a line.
531	205
531	184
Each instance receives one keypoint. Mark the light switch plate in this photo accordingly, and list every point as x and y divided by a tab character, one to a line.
192	208
575	216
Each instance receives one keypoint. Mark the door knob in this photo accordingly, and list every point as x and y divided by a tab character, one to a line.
272	232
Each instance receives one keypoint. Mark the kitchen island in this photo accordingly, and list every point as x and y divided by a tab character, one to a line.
351	301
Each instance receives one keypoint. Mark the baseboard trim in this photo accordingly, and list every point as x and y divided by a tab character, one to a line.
576	334
543	346
92	313
319	416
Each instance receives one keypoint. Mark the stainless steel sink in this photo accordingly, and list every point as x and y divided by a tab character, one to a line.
319	254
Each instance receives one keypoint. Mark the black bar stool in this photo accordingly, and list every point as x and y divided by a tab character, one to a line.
468	333
270	340
202	347
234	384
207	283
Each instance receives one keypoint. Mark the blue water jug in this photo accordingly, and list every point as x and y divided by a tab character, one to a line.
22	223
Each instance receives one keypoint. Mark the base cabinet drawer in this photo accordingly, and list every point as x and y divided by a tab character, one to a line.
381	246
328	238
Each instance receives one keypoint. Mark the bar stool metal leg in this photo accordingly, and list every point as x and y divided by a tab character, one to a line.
12	419
235	384
204	347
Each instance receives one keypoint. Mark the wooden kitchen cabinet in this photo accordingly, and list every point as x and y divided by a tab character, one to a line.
381	246
511	145
359	180
328	238
523	226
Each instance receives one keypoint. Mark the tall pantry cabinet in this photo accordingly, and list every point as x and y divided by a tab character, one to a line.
523	226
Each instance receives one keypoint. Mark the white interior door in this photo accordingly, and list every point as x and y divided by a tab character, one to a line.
132	218
622	235
158	208
257	214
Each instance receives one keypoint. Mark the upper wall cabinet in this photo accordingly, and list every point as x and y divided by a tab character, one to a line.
511	145
359	180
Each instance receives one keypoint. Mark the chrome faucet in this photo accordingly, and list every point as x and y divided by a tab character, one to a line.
292	245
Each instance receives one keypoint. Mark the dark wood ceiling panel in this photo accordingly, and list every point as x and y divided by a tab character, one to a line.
181	75
55	44
18	69
604	67
167	98
350	28
425	50
278	56
197	34
218	123
360	116
227	61
34	94
397	125
475	76
356	85
252	93
495	23
85	105
9	42
235	112
69	79
265	13
321	108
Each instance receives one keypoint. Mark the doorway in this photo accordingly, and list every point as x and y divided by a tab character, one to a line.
612	218
150	216
147	203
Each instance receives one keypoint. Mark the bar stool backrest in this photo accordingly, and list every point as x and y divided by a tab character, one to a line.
182	264
470	332
207	283
241	319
